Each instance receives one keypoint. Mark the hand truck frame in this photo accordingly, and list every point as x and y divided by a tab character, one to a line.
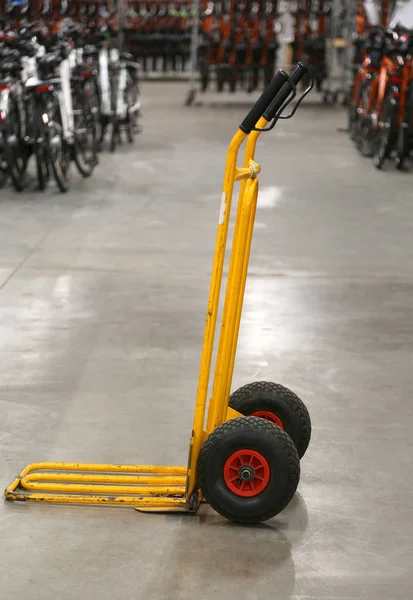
246	467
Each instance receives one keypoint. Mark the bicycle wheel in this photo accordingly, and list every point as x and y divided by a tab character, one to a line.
3	165
114	133
114	125
132	102
42	162
58	149
15	150
95	107
85	144
354	113
364	130
385	137
405	133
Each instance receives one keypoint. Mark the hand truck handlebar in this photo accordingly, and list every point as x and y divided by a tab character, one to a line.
278	102
271	91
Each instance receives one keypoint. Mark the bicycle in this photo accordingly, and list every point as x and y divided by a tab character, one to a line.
372	44
372	94
124	96
389	109
404	141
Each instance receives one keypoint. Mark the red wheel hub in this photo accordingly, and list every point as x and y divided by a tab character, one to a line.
269	416
246	473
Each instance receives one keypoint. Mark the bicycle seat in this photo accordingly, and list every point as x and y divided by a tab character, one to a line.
48	63
126	56
90	51
9	55
26	48
11	67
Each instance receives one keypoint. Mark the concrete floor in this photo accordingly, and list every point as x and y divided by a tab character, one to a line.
103	296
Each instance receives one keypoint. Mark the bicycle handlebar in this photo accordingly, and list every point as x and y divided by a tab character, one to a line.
268	95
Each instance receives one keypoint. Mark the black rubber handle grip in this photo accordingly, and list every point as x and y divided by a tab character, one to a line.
295	77
268	95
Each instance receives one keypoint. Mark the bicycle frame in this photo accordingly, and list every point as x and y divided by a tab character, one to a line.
365	72
388	72
120	106
104	82
65	100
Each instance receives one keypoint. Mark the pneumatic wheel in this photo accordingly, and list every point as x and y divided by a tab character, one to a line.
248	470
277	404
386	134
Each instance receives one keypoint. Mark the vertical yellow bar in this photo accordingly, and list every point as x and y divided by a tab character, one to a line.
212	312
240	250
249	155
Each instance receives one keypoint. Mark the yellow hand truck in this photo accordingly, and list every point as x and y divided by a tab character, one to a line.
244	458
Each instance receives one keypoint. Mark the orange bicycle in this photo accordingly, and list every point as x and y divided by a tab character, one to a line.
371	42
390	107
372	96
404	142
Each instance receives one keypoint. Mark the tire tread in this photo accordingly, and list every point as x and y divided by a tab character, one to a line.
237	398
277	436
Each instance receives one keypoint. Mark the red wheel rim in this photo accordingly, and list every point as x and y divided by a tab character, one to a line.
269	416
246	473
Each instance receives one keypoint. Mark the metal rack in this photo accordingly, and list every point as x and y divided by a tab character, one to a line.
217	73
339	50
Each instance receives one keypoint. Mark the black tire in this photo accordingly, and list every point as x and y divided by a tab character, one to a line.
42	166
114	125
132	98
402	147
60	160
220	80
95	107
3	172
58	149
353	114
405	133
15	149
386	134
364	132
113	133
279	479
130	128
85	144
277	404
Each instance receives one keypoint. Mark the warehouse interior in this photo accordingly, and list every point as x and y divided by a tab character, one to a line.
104	283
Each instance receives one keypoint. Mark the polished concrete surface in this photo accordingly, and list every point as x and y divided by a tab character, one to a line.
102	304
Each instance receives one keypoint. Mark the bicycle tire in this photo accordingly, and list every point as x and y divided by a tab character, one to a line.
58	149
95	103
42	167
113	132
113	107
385	136
85	143
354	115
405	133
363	137
132	96
15	149
3	172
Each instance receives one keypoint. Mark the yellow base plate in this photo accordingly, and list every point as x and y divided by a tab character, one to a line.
150	487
